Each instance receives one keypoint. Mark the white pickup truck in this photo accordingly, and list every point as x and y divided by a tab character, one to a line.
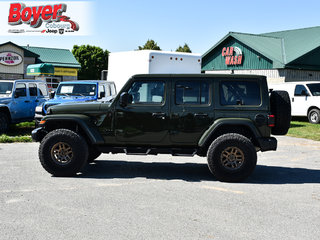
304	97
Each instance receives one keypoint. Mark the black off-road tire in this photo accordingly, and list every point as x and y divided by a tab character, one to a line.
94	153
4	122
59	143
241	160
314	116
281	108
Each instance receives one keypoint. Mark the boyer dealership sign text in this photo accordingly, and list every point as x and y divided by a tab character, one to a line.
34	16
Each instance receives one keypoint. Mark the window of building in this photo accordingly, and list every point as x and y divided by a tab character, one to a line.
147	92
240	93
33	89
191	92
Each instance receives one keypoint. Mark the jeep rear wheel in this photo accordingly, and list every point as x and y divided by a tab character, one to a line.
231	157
63	152
314	116
281	108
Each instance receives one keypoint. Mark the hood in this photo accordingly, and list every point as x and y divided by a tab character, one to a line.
77	108
4	99
65	99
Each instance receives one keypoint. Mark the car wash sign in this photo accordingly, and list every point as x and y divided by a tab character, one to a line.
232	55
10	58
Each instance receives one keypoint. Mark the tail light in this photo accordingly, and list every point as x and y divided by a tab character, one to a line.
271	120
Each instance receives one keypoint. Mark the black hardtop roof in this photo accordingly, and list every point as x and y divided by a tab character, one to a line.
235	76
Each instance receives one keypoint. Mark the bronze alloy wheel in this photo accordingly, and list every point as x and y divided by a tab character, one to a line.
62	153
232	158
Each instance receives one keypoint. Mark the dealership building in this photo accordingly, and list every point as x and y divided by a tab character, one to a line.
25	62
285	56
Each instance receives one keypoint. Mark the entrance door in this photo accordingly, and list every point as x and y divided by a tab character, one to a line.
145	119
192	112
21	105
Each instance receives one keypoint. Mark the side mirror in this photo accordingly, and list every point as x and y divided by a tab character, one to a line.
52	94
16	95
102	95
125	98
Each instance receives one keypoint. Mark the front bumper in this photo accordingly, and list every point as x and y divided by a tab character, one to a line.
268	144
38	134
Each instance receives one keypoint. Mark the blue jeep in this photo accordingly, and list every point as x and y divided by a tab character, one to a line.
18	100
77	91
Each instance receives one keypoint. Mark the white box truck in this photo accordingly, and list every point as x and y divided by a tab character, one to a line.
123	65
304	97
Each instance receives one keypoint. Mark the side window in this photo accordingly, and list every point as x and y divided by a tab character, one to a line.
299	90
33	90
240	93
21	90
43	89
191	92
101	90
147	92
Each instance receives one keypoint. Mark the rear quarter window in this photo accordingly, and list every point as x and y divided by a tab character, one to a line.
245	93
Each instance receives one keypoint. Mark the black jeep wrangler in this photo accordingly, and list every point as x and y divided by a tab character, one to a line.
226	118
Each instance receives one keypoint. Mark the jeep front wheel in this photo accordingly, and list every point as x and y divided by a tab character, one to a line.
63	152
231	157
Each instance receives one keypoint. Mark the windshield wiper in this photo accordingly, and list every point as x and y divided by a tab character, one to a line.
79	94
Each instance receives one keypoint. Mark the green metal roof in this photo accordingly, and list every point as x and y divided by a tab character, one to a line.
281	47
56	57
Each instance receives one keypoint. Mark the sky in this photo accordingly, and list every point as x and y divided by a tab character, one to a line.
123	25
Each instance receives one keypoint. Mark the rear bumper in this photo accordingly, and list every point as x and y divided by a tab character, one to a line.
38	134
268	144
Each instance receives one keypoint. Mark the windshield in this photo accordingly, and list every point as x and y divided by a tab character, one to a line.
77	90
6	88
314	89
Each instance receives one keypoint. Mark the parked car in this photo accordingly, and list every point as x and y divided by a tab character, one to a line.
18	100
227	118
304	97
77	91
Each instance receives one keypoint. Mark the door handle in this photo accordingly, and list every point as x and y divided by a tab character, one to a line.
26	101
37	100
159	115
201	115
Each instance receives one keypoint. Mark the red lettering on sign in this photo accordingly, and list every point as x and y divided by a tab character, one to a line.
34	15
223	51
231	51
26	14
227	60
233	55
14	13
46	13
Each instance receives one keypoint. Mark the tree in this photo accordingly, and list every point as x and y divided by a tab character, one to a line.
185	48
150	44
92	60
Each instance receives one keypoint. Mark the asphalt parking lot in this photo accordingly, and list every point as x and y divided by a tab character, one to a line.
161	197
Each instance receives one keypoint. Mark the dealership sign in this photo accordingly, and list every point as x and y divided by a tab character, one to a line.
10	58
232	55
41	18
